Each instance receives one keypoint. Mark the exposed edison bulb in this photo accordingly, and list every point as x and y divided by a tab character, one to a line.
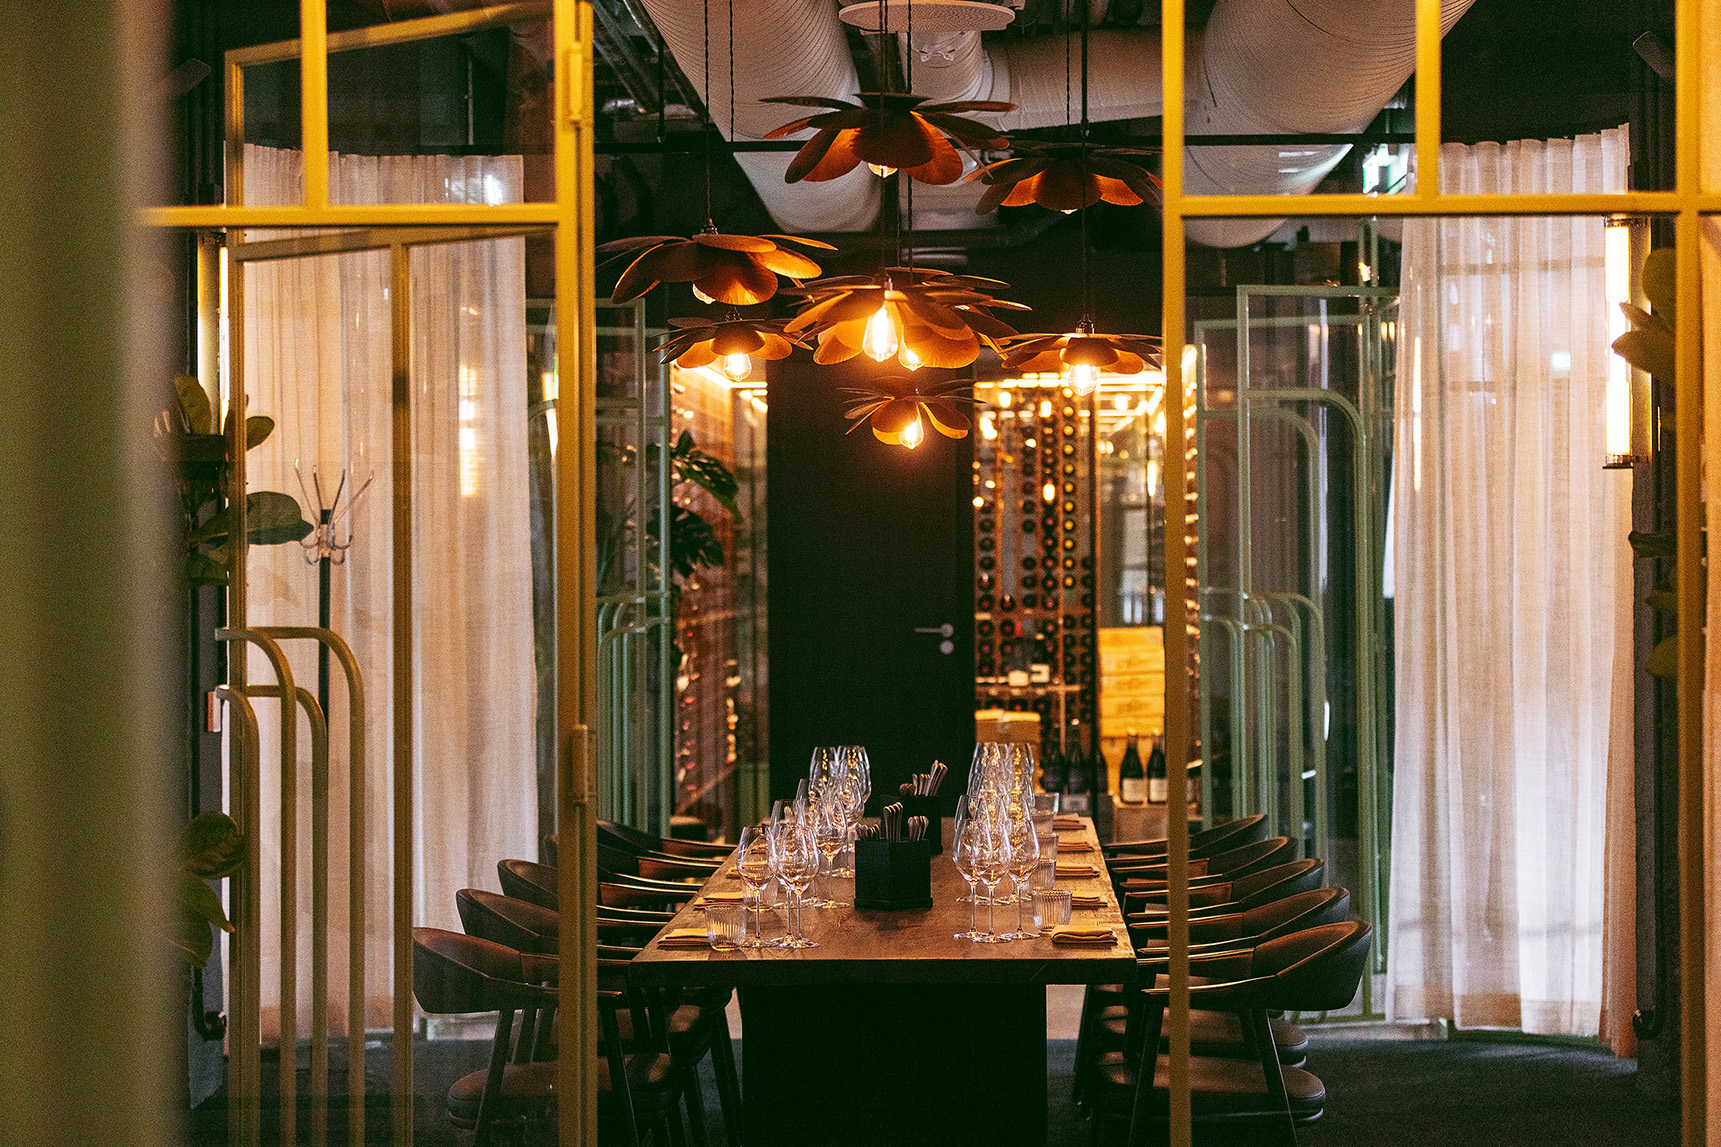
1066	210
736	367
702	296
1086	378
881	170
880	341
908	359
912	434
1049	491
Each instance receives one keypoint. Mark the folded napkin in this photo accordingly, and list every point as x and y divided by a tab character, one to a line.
1078	844
683	938
1067	823
1071	934
1076	871
718	898
1086	900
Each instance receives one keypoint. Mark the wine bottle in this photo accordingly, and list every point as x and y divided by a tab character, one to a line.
1156	779
1132	778
1053	769
1099	772
1076	798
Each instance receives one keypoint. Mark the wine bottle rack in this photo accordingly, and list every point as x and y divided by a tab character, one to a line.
1035	559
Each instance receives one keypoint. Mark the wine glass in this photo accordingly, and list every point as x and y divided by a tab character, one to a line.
983	773
831	836
753	865
795	861
962	856
1024	858
991	860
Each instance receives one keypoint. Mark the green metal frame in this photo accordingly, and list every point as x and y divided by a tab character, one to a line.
635	732
1266	623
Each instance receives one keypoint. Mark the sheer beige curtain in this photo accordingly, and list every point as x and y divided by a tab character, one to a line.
1511	559
318	361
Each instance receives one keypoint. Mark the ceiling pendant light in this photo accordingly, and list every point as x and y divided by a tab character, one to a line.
940	319
1065	177
899	413
729	346
887	131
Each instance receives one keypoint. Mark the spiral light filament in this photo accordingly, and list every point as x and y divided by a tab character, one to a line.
880	341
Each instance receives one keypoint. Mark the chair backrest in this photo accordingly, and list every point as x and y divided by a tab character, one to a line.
1298	911
623	836
1231	834
617	895
1253	857
528	880
1316	969
516	923
455	974
1276	883
661	868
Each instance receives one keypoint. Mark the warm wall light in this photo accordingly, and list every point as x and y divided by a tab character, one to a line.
1625	405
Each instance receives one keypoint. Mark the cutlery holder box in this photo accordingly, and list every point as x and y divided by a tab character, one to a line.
928	808
893	874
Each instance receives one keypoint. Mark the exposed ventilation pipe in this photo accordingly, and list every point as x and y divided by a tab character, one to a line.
782	48
1262	66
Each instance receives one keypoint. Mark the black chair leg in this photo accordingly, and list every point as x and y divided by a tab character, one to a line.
690	1091
1084	1043
728	1080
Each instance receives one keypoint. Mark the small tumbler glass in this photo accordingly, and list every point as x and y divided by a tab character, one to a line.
1046	802
723	926
1051	907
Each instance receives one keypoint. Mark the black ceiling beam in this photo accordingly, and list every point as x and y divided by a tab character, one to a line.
684	143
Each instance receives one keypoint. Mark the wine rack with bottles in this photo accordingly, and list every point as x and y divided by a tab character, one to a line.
1035	644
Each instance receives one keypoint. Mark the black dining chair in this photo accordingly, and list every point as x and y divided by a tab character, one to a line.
1231	863
1235	895
1220	838
1317	969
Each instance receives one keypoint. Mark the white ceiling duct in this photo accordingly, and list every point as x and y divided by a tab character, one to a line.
1261	67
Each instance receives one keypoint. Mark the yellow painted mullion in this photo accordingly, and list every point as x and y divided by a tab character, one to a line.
314	100
1427	99
1386	206
1689	576
399	32
1177	700
358	215
575	543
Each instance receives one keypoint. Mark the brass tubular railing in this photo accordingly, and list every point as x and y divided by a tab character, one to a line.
289	847
357	843
245	952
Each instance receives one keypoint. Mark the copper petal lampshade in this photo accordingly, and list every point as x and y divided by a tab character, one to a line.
1055	175
924	318
700	342
898	412
889	129
740	270
1055	353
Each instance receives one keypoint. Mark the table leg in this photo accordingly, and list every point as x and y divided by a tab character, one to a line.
866	1064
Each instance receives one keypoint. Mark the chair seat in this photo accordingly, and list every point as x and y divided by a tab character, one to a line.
1222	1087
524	1086
1221	1034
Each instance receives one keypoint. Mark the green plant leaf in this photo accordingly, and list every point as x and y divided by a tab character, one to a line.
691	464
1658	286
1663	660
257	428
202	569
195	941
195	404
693	544
212	847
271	518
201	901
1647	544
1648	349
1642	319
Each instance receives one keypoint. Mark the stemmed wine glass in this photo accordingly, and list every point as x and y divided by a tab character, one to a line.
1024	858
990	857
794	861
753	865
983	773
831	835
962	855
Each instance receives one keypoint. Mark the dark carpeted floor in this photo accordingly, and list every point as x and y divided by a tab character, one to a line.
1455	1094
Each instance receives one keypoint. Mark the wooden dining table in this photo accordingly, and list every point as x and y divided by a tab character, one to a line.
892	1030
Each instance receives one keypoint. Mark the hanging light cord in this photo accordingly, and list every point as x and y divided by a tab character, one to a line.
1087	287
908	83
709	126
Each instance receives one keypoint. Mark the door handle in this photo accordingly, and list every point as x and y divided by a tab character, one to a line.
945	630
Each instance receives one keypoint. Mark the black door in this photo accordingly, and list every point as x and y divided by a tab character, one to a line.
869	545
